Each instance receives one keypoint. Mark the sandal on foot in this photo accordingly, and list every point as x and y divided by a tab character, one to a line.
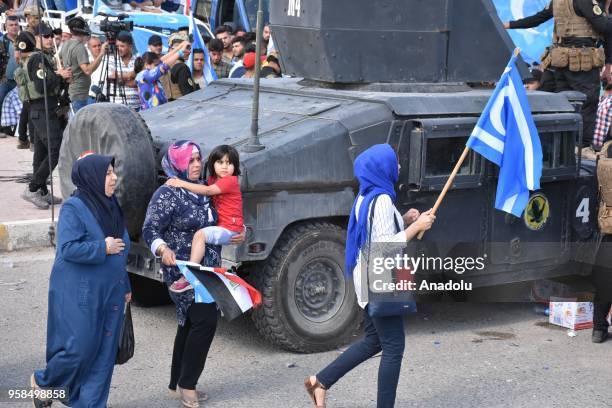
187	402
202	396
311	388
38	402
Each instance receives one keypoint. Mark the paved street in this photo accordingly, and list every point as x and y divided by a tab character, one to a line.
458	355
15	164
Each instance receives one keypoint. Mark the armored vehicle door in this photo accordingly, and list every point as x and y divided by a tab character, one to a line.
428	151
561	212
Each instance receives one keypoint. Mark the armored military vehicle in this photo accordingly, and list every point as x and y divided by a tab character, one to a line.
415	74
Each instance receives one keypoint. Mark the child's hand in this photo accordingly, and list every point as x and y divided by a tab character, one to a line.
174	182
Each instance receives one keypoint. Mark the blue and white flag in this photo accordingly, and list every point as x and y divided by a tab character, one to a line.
141	39
100	6
169	21
531	41
506	135
198	43
202	295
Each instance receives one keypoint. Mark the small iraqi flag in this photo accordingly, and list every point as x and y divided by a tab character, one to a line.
231	293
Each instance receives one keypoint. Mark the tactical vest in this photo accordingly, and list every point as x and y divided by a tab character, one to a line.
569	24
171	89
27	90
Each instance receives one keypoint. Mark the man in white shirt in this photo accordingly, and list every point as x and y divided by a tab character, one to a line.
94	47
124	72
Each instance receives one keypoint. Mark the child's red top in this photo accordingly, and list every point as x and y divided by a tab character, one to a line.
229	203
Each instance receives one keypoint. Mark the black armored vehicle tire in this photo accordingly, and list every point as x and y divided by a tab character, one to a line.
308	304
114	130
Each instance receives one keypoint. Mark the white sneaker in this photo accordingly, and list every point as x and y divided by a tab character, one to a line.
127	7
35	198
114	3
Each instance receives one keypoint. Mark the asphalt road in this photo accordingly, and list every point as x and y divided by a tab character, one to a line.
457	355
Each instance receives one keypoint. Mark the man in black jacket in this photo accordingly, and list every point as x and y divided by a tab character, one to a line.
576	57
39	84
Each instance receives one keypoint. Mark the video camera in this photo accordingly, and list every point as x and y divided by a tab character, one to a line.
113	27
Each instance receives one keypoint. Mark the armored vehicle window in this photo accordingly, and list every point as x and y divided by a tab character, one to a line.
443	154
557	150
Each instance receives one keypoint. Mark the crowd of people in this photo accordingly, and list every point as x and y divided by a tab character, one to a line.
83	70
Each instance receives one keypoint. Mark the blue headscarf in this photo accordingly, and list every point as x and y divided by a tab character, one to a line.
89	177
376	170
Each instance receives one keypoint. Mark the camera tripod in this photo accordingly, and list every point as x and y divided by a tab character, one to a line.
114	87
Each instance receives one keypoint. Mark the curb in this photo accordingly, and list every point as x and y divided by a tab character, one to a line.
16	235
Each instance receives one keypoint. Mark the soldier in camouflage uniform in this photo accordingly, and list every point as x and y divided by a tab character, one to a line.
576	56
36	74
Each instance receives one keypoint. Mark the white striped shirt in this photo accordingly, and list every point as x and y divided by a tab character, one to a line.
383	230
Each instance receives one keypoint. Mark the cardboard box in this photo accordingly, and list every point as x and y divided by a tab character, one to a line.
572	315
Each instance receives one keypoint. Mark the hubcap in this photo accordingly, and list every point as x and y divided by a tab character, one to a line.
319	290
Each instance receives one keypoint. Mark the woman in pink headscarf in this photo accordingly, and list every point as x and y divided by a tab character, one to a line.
173	216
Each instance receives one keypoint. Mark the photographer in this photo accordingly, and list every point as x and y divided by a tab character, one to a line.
123	71
39	84
74	56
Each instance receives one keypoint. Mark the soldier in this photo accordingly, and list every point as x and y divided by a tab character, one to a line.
178	81
575	56
35	69
32	15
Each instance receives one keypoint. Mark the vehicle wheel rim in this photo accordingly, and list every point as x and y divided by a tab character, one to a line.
319	290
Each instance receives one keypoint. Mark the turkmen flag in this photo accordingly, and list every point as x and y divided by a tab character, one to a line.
506	135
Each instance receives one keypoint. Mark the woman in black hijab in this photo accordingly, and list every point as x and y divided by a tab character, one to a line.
88	288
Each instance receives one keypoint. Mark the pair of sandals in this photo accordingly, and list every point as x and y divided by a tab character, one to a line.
188	402
312	388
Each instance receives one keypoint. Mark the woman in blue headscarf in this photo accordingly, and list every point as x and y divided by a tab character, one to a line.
377	171
88	288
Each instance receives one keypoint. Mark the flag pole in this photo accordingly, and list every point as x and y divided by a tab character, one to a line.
447	186
451	178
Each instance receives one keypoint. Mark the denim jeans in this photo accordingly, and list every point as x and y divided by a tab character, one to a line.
381	333
78	105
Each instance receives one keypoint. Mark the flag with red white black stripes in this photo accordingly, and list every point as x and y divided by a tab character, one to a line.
232	294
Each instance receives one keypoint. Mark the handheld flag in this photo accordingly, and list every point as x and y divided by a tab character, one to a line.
506	135
141	39
198	43
232	294
201	293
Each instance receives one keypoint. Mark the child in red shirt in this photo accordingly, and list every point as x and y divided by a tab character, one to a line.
224	167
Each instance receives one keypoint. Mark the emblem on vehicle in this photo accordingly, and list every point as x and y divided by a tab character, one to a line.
537	212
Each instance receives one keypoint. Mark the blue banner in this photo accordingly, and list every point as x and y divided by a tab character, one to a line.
168	21
531	41
141	39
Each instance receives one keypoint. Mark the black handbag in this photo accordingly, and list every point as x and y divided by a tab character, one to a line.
125	350
394	303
